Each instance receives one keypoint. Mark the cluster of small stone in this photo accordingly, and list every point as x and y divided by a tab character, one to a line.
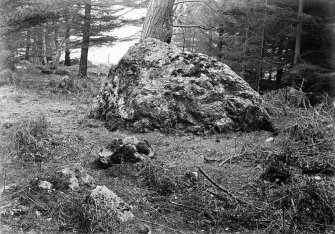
127	150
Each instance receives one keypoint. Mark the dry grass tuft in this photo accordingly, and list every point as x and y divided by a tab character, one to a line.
31	140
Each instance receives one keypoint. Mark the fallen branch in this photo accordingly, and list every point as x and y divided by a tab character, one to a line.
238	155
184	206
221	188
230	158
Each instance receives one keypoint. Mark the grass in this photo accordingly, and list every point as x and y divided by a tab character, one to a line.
170	193
31	140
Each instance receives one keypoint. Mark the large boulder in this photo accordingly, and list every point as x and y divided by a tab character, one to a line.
156	86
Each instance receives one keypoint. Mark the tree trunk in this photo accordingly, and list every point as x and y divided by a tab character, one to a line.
27	52
245	49
86	40
220	42
259	80
298	34
210	43
158	21
280	69
58	48
44	45
193	42
67	60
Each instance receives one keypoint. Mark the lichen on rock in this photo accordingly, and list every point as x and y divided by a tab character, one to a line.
157	86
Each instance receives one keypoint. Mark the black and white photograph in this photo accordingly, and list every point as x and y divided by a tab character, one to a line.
167	116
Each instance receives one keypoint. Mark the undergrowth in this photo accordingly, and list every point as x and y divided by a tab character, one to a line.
32	140
305	150
61	210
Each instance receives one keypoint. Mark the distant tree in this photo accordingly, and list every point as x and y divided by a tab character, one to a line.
298	33
86	39
158	22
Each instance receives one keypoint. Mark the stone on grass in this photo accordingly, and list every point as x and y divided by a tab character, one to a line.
107	202
45	185
127	150
157	86
76	176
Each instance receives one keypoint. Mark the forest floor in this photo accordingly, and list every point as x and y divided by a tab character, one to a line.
169	194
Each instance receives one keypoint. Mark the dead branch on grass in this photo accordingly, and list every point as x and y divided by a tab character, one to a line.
221	188
184	206
238	155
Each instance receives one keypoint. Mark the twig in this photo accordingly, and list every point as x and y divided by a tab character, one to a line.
238	155
221	188
230	158
161	225
181	205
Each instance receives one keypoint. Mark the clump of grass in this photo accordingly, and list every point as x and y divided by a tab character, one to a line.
160	178
101	217
31	140
302	206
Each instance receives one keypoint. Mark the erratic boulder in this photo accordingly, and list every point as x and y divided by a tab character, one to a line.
156	86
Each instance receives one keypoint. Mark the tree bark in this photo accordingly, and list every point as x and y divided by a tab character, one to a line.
158	21
67	59
245	49
298	34
280	69
220	42
44	45
259	80
59	45
27	52
86	40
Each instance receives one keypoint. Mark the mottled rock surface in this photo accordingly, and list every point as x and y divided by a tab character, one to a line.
109	204
76	176
127	150
156	86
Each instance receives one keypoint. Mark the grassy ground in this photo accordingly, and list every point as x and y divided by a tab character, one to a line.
44	128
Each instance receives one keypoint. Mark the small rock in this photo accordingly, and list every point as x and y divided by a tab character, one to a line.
142	148
86	180
7	125
46	185
142	229
102	198
269	140
128	150
38	213
104	157
224	125
7	187
192	176
76	176
130	141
